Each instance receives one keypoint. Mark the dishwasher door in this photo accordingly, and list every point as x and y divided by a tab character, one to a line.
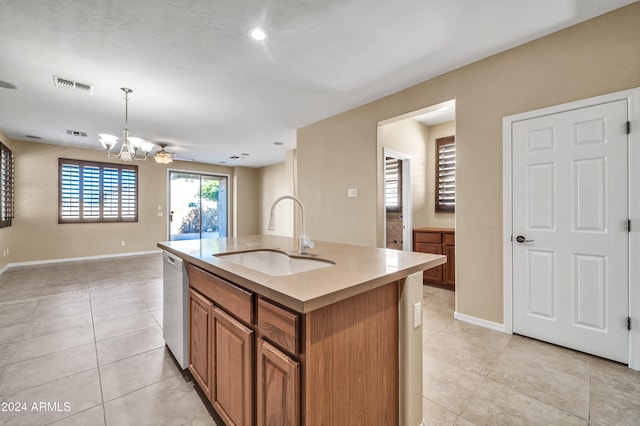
175	299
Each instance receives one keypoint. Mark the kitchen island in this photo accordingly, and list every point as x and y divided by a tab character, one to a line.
340	344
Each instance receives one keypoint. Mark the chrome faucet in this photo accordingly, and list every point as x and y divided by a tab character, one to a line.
305	242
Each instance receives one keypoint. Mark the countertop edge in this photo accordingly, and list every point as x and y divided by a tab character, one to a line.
315	303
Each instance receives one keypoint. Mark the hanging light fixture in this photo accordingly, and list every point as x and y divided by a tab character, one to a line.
132	148
162	156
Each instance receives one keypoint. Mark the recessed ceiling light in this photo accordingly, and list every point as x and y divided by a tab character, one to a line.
257	34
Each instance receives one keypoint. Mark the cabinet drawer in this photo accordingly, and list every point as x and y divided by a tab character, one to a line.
429	248
279	325
428	237
449	238
235	300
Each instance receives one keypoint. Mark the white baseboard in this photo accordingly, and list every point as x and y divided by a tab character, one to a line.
480	322
75	259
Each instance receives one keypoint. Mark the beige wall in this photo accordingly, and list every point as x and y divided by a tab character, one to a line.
273	184
413	138
5	233
36	234
246	203
596	57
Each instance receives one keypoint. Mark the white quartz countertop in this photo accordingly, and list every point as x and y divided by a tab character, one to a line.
357	269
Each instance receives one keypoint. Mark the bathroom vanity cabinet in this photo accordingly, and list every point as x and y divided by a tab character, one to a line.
437	241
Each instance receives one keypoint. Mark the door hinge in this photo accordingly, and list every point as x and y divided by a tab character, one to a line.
628	323
628	127
628	225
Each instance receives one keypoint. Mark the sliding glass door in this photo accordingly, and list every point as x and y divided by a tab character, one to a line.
197	205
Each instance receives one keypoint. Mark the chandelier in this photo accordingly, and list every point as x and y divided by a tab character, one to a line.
132	148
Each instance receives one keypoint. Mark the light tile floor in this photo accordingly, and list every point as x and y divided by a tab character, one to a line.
83	342
475	376
88	334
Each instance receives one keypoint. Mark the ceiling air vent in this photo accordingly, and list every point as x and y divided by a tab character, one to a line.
73	85
75	133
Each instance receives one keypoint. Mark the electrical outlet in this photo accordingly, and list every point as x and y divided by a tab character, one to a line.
352	192
417	314
159	214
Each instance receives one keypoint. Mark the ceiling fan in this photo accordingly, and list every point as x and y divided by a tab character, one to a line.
165	157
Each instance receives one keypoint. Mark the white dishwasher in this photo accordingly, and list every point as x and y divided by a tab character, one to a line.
175	299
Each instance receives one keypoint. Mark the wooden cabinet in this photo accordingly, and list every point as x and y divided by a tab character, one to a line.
277	387
221	346
278	371
232	363
200	340
437	241
270	365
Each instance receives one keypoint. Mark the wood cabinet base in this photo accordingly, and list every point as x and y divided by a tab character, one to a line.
437	241
337	365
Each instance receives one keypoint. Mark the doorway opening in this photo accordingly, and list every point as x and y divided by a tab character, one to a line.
198	205
416	185
397	200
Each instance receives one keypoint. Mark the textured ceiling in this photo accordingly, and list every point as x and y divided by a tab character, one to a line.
202	86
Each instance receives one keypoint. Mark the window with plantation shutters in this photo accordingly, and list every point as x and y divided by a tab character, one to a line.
7	172
97	192
446	174
393	184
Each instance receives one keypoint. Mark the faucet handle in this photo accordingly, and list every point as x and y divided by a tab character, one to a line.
306	242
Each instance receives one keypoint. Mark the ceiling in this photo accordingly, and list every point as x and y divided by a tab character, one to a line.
202	86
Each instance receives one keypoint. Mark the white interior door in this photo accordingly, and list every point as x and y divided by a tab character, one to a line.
570	237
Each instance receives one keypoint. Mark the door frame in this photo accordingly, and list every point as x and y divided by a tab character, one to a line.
633	101
407	217
168	205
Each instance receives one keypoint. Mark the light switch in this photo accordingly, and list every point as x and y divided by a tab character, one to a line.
417	314
352	192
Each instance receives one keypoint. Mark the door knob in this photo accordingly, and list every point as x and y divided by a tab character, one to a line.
522	239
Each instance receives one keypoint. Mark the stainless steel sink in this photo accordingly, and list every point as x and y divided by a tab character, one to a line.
273	262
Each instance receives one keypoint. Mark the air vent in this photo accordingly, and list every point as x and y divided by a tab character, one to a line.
73	85
75	133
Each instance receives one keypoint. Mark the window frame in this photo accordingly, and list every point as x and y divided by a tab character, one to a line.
440	205
103	207
7	186
397	177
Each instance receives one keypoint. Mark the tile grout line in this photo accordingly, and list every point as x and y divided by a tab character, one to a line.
95	345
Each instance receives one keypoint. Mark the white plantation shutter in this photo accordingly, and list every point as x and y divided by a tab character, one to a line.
446	174
97	192
393	184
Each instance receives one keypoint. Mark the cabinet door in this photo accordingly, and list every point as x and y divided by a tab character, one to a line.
450	266
199	340
433	274
232	390
278	387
